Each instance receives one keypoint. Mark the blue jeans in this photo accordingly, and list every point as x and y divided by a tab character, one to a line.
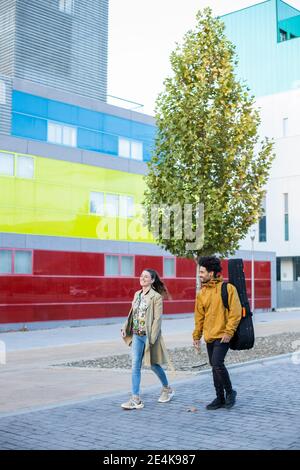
138	347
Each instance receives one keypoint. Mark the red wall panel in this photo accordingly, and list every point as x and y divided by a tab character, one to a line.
185	267
72	286
27	290
56	312
224	265
59	263
151	262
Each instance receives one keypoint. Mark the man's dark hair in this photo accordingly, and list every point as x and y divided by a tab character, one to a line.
211	263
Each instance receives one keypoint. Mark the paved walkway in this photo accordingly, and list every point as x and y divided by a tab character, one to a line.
32	377
266	416
44	405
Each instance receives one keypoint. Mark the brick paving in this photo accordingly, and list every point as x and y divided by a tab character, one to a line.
266	416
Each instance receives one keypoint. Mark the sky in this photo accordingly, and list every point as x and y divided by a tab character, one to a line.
142	35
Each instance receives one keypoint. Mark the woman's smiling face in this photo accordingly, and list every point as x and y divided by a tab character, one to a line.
146	279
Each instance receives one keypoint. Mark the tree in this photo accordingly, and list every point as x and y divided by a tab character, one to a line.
207	146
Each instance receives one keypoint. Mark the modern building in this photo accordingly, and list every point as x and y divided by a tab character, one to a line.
267	40
61	44
71	176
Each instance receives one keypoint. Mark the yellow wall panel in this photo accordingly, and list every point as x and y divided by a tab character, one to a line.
56	202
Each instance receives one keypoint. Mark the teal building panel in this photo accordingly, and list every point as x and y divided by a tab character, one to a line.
267	65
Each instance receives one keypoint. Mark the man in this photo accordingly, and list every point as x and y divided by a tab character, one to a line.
218	325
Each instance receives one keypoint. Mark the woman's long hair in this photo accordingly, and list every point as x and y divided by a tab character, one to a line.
158	284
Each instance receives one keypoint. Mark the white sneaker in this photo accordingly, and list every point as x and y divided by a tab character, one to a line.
166	395
133	404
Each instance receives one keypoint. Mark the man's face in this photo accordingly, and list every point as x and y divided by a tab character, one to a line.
204	275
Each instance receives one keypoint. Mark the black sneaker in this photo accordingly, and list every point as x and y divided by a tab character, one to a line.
216	403
230	399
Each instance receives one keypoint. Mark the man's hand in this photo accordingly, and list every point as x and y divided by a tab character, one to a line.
225	339
196	344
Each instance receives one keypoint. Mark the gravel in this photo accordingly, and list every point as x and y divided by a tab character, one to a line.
187	359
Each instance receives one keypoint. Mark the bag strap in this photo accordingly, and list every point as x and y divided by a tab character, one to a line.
224	293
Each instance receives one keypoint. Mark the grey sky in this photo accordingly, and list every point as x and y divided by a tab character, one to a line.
142	34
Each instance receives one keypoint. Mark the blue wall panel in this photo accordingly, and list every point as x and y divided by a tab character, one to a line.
116	125
62	112
142	131
90	119
95	131
89	140
110	144
29	104
285	11
29	127
97	141
148	149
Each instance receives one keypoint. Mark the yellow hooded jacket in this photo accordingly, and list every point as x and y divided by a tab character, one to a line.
211	318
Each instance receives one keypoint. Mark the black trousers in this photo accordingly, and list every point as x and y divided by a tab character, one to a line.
216	353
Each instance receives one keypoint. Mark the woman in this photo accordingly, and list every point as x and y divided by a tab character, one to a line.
142	329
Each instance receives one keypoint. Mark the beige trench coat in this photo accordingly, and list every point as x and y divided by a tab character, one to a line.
155	350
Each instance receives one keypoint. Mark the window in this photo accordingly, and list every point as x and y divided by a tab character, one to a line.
23	262
67	6
69	136
262	225
61	134
25	167
278	269
126	207
97	203
15	262
6	262
285	122
286	217
2	92
296	263
118	265
124	148
111	265
7	164
137	150
282	35
112	205
54	133
263	229
169	267
130	149
126	265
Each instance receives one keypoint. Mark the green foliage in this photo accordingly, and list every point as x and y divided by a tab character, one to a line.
207	145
